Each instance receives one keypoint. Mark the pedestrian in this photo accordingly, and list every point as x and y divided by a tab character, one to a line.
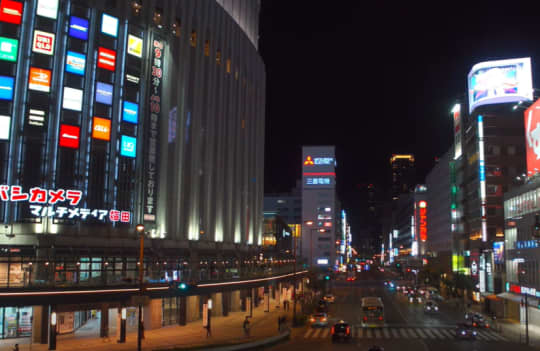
208	331
246	326
16	347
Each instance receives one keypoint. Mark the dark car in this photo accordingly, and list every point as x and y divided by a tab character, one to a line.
465	331
477	320
341	331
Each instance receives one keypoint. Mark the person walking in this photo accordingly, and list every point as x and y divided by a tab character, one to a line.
208	331
16	347
246	326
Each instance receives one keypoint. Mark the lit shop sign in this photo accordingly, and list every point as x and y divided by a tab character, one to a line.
422	211
498	252
36	117
106	59
75	63
308	161
43	42
532	137
104	93
6	88
132	79
109	25
523	290
128	146
11	11
5	122
482	176
456	111
318	181
47	8
72	99
527	244
101	129
39	79
134	46
8	49
78	28
322	261
151	174
323	160
502	81
130	112
327	224
69	136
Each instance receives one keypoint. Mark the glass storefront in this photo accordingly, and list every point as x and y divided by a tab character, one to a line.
171	306
15	322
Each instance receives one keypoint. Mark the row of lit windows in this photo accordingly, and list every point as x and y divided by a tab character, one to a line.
522	204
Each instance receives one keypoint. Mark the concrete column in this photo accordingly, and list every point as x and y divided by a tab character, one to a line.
40	324
153	314
104	321
217	304
235	301
192	308
226	302
181	318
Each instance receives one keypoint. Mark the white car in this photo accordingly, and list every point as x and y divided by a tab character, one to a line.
319	320
431	307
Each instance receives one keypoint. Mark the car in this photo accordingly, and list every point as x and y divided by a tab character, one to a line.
350	279
465	331
415	298
319	320
477	320
329	298
341	331
431	307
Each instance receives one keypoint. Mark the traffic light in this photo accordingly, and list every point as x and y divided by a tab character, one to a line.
183	286
326	277
398	265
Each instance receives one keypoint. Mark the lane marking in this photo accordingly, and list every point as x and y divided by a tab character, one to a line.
308	333
386	333
316	334
377	333
446	333
421	333
412	333
395	333
436	332
404	333
429	333
325	333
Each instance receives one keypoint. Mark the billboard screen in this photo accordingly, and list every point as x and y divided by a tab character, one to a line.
106	59
128	146
101	129
6	88
75	63
43	42
11	11
47	8
130	112
69	136
109	25
104	93
78	28
39	79
498	252
5	122
8	49
72	99
134	46
495	82
532	138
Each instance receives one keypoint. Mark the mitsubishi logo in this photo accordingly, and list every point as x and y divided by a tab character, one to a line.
308	161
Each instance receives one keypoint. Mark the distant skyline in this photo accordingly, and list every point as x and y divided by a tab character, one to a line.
375	80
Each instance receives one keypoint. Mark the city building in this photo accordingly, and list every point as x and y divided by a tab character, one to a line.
278	239
439	235
403	174
287	205
319	207
117	113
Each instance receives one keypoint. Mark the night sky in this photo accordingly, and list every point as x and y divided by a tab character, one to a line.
374	78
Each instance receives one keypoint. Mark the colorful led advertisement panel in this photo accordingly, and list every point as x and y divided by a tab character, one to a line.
130	112
75	63
43	42
104	93
498	252
6	88
69	136
495	82
47	8
134	46
109	25
5	122
128	146
39	79
11	11
106	59
101	129
78	28
8	49
72	99
532	138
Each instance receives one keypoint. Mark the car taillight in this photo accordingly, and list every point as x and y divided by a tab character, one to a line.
365	319
380	318
474	324
487	325
332	331
312	320
323	319
348	330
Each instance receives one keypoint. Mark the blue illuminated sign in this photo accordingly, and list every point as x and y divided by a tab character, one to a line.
482	165
78	28
104	93
527	244
318	181
130	112
6	88
128	146
75	63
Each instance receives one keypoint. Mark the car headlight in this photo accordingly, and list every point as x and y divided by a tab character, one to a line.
474	333
436	308
428	308
463	332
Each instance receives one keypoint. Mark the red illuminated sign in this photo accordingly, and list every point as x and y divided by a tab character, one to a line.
327	224
515	288
69	136
308	161
106	59
423	220
532	138
11	11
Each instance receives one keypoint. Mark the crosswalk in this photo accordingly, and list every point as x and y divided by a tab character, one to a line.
428	333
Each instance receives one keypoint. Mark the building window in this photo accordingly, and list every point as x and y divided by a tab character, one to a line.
511	150
176	28
228	66
136	7
158	16
193	39
207	48
218	57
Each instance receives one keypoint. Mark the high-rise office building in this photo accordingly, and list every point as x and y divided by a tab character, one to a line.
403	174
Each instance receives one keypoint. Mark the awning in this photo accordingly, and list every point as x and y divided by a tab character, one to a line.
517	298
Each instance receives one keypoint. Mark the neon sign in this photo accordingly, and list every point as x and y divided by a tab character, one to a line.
11	11
43	42
308	161
78	28
323	160
318	181
106	59
423	220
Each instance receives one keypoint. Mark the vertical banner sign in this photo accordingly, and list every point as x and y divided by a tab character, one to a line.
152	133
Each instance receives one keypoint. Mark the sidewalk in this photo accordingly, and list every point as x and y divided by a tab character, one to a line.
225	331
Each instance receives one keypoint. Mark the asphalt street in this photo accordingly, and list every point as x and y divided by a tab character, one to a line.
407	327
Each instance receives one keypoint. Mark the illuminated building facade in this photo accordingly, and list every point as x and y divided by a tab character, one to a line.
403	174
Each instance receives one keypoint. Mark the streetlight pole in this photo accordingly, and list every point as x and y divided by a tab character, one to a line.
295	282
140	231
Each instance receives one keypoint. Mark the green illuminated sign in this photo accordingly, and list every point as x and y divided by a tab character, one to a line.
8	49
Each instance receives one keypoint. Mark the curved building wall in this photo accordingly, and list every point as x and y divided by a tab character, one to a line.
154	119
246	14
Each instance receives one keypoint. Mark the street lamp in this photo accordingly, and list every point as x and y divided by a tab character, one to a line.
140	232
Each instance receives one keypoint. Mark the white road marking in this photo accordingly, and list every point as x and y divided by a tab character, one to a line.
420	333
308	333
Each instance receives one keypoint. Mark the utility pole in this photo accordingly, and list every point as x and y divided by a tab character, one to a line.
140	231
526	320
295	282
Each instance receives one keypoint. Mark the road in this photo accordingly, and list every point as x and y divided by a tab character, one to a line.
407	326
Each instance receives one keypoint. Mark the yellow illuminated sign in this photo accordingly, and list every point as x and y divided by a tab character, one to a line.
134	46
